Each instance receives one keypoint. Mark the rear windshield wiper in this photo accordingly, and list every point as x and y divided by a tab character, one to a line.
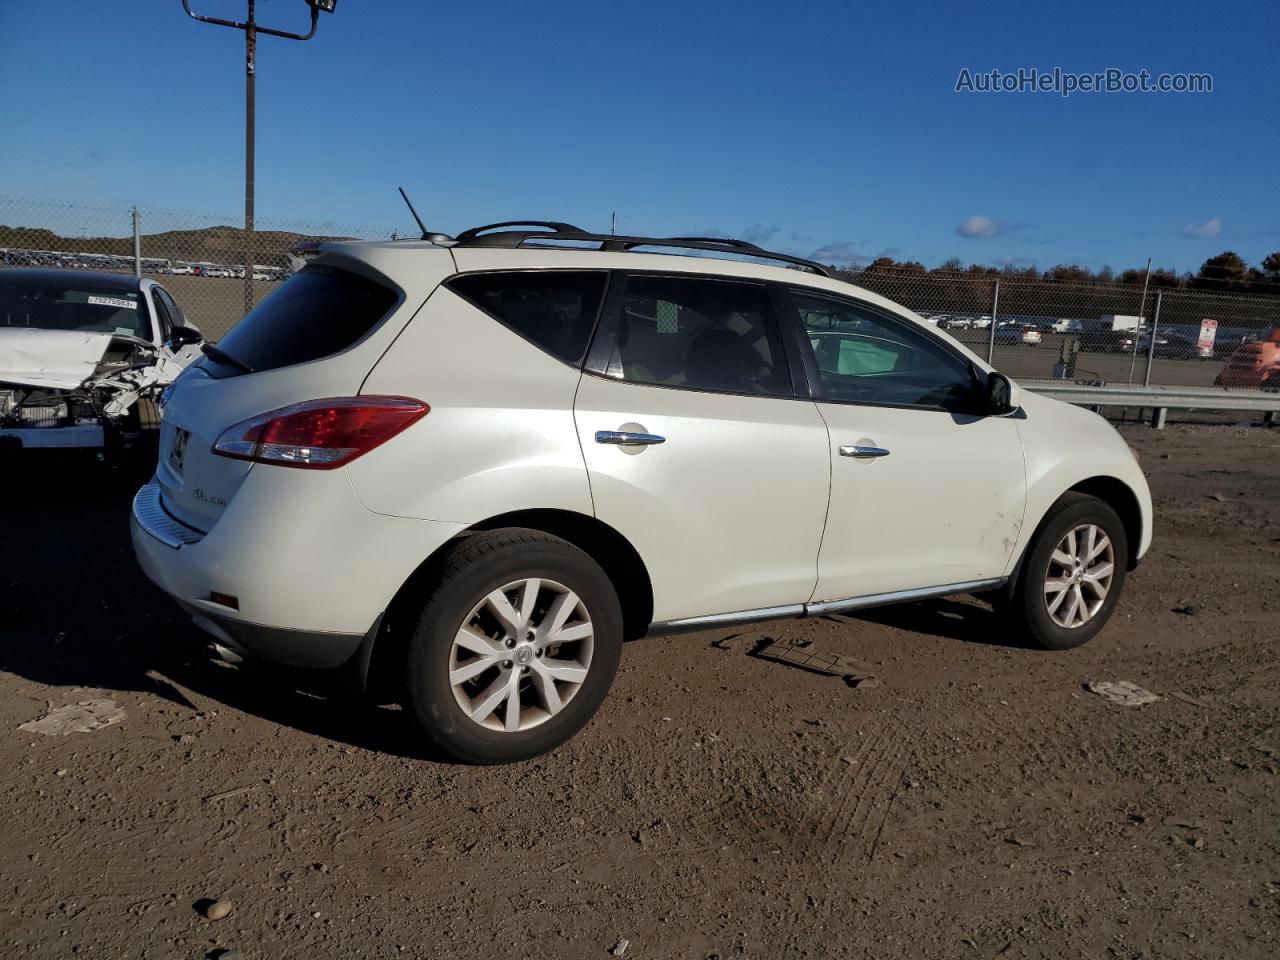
221	356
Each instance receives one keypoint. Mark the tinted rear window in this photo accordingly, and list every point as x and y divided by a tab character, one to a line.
554	309
317	313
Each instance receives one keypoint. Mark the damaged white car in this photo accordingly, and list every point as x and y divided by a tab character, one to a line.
78	350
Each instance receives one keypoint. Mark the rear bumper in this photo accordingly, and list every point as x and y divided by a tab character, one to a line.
303	648
311	568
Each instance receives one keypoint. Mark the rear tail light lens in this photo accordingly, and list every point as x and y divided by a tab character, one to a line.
319	434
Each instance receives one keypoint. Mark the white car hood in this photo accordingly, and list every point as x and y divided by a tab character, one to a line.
57	359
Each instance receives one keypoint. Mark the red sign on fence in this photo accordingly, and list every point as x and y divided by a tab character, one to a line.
1208	333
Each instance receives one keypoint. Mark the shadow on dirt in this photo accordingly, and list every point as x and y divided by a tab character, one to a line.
950	619
79	612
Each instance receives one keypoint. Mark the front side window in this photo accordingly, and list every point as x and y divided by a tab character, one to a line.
865	356
554	309
163	317
176	316
699	334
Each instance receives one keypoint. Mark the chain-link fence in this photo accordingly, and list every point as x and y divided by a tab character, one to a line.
1030	328
202	260
1037	329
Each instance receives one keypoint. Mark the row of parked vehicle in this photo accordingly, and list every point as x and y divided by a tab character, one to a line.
1171	344
61	260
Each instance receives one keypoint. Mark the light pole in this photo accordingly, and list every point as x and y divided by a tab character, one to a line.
251	31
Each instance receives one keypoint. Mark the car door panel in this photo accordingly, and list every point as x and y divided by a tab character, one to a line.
727	509
944	505
926	491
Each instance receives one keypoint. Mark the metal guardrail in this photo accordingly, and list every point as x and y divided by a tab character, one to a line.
1160	400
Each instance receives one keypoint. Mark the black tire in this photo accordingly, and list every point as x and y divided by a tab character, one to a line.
479	564
1027	612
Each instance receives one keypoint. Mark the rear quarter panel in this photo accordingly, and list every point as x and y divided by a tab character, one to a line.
500	435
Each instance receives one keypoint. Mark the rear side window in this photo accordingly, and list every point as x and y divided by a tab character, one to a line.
699	334
553	309
317	313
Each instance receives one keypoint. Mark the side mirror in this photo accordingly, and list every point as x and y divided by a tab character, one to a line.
181	336
1001	395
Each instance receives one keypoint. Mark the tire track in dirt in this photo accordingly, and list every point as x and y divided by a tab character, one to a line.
875	789
852	796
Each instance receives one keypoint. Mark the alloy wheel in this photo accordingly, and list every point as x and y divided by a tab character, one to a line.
1079	576
521	655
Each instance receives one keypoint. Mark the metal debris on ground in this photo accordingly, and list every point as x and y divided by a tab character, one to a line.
735	640
83	717
803	654
1121	692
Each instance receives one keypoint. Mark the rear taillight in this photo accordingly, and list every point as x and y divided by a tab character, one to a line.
319	434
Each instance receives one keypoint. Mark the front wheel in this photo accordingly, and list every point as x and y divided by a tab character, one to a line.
516	647
1072	574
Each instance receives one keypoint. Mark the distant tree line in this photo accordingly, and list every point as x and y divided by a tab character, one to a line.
1227	272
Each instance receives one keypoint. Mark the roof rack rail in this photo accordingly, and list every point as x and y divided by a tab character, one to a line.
555	230
473	237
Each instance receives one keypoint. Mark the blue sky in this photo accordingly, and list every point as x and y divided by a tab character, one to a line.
809	126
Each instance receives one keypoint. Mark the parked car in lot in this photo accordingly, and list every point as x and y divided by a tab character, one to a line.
78	350
1017	333
1253	364
1174	346
1109	341
474	467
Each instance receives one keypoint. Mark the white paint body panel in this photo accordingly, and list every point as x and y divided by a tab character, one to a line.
945	506
727	513
500	434
1063	446
299	551
50	359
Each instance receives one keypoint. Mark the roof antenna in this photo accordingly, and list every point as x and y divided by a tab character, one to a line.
426	234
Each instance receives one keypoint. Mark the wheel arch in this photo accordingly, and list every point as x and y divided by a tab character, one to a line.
620	561
1120	497
1110	490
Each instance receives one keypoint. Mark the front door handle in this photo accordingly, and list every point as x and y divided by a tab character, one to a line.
624	439
863	453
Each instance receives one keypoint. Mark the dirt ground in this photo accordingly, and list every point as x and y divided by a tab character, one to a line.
976	802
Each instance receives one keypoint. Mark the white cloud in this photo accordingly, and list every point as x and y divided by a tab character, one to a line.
1202	231
980	228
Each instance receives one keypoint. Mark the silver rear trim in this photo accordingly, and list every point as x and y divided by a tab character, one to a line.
152	518
827	606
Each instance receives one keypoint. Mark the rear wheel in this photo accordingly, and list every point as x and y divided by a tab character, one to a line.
1072	575
516	647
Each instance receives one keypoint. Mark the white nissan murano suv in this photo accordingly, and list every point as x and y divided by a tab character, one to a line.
473	467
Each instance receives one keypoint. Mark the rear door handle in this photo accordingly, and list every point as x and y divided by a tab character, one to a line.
623	439
863	453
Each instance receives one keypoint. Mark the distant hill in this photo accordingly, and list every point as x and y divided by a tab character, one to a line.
213	244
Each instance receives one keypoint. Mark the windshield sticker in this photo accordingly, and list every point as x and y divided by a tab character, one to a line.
127	331
112	302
